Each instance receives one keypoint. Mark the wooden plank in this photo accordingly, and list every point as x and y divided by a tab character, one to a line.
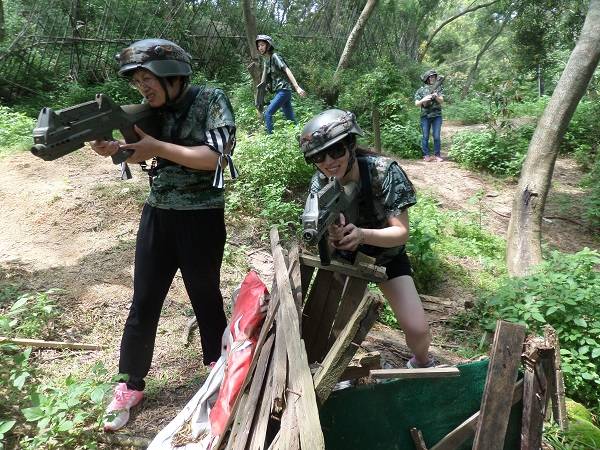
256	387
37	343
319	345
369	272
361	365
300	380
318	295
403	374
306	274
557	382
417	437
534	395
295	278
345	346
279	370
502	374
465	430
355	291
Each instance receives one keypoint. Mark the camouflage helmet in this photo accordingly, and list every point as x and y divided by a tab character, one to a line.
266	38
327	128
161	57
427	74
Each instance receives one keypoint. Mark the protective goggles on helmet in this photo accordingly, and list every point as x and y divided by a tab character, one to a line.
334	152
334	130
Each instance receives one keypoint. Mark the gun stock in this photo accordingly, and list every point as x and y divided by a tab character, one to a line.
58	133
261	91
323	209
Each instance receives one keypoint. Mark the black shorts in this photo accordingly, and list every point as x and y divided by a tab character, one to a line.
398	266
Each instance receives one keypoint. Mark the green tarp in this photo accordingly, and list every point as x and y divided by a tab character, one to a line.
380	416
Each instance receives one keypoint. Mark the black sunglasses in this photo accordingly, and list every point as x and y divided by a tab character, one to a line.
334	152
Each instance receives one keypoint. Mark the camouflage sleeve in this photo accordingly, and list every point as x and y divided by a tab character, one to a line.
220	112
278	61
398	192
419	95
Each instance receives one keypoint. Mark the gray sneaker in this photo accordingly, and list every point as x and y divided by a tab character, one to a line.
413	364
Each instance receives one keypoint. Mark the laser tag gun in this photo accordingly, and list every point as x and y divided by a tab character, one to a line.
435	88
323	209
58	133
261	92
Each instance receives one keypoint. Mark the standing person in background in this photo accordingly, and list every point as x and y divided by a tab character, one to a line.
430	98
183	221
279	80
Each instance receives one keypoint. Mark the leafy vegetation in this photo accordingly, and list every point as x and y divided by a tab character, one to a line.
561	293
38	412
15	130
500	153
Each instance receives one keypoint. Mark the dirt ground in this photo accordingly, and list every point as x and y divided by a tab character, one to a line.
71	224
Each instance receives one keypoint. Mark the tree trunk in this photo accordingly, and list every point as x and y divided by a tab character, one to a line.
354	37
254	67
446	22
2	28
524	248
473	72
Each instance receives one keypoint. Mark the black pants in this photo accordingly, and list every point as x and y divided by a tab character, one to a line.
167	240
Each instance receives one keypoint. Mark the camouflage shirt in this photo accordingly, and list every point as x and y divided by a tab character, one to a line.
275	71
178	187
434	109
391	194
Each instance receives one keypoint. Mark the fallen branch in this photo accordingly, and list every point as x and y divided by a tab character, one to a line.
49	344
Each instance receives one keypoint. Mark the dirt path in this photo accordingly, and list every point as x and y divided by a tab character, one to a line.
71	224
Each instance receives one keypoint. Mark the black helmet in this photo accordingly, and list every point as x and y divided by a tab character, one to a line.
161	57
427	74
268	39
327	128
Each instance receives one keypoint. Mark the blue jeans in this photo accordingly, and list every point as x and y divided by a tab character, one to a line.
435	123
283	100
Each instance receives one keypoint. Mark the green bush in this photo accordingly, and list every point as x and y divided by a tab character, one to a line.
425	224
401	137
467	112
15	130
272	175
562	292
583	133
533	108
500	153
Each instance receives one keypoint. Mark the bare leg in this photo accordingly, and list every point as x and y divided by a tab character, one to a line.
406	304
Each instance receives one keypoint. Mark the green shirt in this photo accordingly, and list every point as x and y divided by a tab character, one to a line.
434	109
275	71
178	187
391	194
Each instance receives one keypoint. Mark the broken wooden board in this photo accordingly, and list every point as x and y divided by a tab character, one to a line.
369	272
502	373
345	346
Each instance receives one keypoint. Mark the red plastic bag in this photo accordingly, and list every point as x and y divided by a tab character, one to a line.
248	314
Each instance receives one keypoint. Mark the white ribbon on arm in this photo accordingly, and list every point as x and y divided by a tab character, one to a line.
222	139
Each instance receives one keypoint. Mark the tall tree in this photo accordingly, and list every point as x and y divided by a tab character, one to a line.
254	67
524	248
473	71
2	27
354	36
